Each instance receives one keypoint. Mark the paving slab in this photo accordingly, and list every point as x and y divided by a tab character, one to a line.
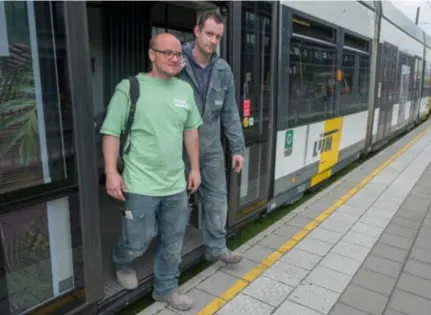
370	254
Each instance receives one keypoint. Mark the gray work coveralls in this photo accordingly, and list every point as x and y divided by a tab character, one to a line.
217	105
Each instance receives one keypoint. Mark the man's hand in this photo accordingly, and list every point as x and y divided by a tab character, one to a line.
194	181
115	186
237	163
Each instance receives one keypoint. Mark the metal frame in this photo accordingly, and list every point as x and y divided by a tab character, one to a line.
285	16
78	56
275	78
339	65
417	91
236	17
234	44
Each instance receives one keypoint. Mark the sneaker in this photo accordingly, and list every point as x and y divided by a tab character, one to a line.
231	258
180	302
127	279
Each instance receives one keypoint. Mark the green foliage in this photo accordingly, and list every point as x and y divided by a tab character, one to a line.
28	265
22	116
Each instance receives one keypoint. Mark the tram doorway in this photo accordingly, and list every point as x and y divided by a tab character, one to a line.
119	35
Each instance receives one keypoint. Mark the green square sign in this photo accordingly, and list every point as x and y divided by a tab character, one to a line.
288	143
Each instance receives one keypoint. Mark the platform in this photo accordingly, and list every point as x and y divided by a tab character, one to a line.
361	246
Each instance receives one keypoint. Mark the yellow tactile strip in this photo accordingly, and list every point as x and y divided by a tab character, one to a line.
250	276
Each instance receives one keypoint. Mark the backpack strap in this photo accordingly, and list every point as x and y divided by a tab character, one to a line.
134	96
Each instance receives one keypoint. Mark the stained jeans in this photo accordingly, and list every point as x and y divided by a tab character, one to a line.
165	217
212	195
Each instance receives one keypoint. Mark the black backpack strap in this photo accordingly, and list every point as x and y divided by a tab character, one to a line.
134	96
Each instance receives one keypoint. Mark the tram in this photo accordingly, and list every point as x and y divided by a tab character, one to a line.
318	83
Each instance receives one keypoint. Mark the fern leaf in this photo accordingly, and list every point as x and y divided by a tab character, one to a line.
12	140
16	104
16	119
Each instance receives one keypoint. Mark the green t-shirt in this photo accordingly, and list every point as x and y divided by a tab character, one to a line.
166	108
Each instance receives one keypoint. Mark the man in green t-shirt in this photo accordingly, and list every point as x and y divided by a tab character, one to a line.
153	183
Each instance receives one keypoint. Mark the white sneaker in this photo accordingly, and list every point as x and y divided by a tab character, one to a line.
231	258
180	302
127	279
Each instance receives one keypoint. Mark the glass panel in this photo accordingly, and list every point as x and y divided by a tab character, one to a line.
426	84
406	86
35	124
364	80
255	102
389	85
312	82
348	98
249	51
355	84
264	74
41	246
283	70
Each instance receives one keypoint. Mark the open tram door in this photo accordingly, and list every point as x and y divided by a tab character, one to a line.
119	34
252	58
417	91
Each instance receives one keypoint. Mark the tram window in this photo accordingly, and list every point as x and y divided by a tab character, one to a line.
309	28
389	94
354	87
405	77
283	112
249	79
349	102
428	80
418	77
250	20
248	53
364	80
255	69
426	84
264	70
37	144
312	81
355	42
173	14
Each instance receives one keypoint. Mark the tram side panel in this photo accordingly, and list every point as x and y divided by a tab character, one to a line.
314	137
414	116
397	89
425	100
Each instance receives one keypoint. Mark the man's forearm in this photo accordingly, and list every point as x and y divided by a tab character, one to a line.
235	139
191	142
111	146
233	132
231	122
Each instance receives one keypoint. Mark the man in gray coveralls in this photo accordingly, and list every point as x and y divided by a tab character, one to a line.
212	80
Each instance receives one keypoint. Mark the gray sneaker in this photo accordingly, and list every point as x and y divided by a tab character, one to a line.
180	302
231	258
127	279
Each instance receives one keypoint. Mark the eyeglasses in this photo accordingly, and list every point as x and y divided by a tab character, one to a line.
169	53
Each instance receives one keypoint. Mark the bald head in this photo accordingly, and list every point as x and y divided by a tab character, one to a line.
166	54
164	39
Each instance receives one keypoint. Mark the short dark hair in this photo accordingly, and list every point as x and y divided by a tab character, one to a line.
217	17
